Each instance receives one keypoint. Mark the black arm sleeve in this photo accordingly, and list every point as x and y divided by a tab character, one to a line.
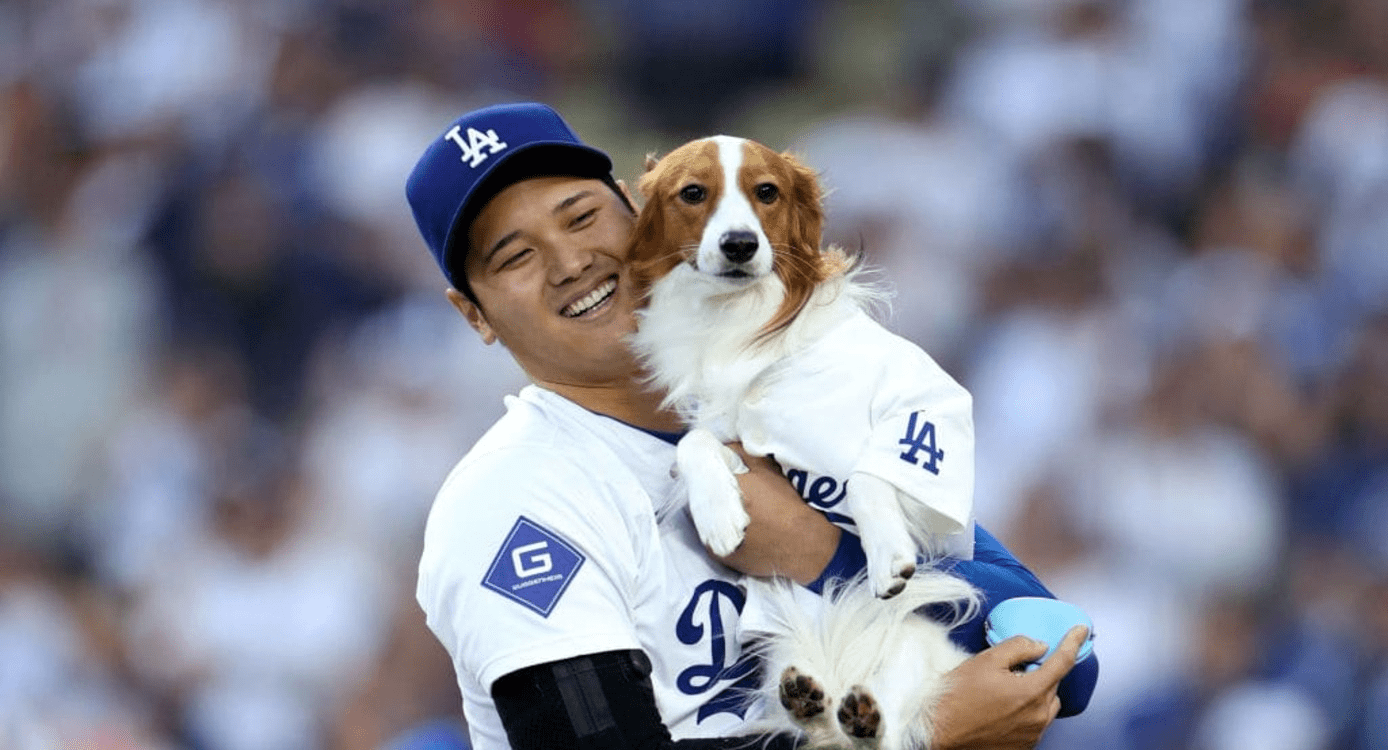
600	701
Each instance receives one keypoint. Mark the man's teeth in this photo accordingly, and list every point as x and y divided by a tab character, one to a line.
591	299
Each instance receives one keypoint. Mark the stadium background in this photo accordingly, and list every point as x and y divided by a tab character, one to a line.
1150	235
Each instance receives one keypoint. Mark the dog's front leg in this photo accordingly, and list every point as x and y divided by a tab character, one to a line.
891	554
709	470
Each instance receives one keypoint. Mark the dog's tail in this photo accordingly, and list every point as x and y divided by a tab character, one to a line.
849	634
849	609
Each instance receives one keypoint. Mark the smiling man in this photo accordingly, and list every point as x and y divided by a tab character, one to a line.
579	611
551	268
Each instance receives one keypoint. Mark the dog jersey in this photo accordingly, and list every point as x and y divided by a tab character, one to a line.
861	398
550	540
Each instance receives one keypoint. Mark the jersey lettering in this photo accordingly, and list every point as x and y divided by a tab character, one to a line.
476	141
822	492
543	562
921	439
703	618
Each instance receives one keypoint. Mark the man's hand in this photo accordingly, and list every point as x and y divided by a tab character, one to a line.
989	706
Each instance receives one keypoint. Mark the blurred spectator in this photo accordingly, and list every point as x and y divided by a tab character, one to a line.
65	682
75	299
159	469
410	701
264	625
238	270
718	51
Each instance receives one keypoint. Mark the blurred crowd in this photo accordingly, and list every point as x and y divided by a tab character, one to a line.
1151	236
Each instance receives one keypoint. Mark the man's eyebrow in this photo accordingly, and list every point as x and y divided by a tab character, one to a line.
567	202
572	199
499	244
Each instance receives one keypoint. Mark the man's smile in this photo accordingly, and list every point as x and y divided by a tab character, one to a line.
593	300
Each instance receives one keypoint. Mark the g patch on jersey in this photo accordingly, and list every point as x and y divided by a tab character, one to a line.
533	567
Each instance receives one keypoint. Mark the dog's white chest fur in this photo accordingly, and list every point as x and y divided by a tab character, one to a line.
702	348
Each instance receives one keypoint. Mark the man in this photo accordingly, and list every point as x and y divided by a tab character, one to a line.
578	611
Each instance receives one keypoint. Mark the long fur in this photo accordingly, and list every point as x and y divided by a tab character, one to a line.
709	343
856	639
706	368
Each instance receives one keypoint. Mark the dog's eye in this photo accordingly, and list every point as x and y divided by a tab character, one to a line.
692	194
767	193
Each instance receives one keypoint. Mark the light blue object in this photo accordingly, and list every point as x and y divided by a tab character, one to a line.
432	734
1038	618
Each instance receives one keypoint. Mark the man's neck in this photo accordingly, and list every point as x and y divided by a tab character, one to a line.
629	403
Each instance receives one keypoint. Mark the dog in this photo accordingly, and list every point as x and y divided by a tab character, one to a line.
756	334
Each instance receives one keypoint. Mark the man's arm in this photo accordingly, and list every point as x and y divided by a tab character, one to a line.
601	701
605	701
786	536
987	705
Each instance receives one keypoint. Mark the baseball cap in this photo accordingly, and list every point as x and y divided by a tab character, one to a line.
479	155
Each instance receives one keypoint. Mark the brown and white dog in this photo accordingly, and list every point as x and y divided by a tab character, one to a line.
758	335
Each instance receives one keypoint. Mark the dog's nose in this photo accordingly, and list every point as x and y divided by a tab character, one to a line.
738	245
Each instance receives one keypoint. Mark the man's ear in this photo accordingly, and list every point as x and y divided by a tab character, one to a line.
626	191
473	314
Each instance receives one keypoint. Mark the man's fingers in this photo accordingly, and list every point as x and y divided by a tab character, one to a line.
1059	664
1016	651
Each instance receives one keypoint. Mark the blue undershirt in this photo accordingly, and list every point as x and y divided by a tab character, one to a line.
998	576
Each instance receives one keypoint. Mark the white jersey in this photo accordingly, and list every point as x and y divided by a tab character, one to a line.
861	398
549	540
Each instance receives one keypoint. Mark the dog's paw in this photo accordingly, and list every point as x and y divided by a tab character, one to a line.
715	500
882	525
722	523
891	559
858	714
801	695
889	578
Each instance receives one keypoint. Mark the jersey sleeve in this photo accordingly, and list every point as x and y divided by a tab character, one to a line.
922	441
526	560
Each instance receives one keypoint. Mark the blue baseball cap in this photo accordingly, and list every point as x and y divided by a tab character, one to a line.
478	156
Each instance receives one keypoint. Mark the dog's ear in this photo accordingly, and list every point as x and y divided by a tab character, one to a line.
807	215
646	184
808	222
651	161
806	228
645	251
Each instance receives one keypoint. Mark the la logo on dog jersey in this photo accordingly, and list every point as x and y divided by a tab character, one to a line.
533	567
476	141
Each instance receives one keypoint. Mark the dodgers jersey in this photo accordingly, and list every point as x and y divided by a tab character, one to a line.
861	398
551	539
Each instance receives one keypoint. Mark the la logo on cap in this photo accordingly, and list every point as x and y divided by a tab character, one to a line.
476	141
